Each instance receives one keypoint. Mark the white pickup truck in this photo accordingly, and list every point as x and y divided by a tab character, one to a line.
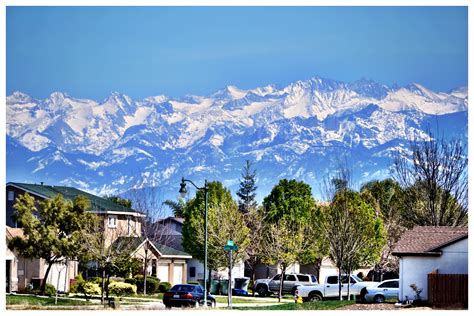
330	288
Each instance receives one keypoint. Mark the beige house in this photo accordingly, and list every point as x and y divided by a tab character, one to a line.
122	226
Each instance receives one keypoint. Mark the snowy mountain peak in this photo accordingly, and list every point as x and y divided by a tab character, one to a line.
18	97
294	131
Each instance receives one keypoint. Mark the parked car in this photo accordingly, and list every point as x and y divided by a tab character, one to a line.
383	291
187	295
330	288
292	281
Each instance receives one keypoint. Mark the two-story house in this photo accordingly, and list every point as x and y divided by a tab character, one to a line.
120	224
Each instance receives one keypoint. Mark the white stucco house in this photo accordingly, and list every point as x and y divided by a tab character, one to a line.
426	249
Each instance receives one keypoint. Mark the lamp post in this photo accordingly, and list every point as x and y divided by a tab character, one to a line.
182	192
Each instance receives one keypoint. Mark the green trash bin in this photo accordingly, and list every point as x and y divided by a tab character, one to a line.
224	285
214	287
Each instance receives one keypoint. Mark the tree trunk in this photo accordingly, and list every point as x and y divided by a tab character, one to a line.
43	283
107	286
209	281
254	268
103	287
348	284
282	280
340	283
317	267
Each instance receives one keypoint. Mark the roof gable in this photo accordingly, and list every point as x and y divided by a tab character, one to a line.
428	240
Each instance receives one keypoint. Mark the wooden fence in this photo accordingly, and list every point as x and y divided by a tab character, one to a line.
448	290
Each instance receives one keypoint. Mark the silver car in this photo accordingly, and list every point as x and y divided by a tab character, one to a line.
385	291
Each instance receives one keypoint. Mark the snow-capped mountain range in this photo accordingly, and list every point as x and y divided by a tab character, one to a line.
299	131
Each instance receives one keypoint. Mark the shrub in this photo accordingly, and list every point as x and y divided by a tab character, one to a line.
116	279
50	290
131	281
164	286
122	289
88	289
96	280
73	287
152	284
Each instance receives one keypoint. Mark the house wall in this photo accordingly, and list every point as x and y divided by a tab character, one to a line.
122	227
415	269
237	271
61	274
9	210
12	265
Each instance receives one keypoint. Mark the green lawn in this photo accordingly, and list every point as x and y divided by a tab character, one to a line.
324	305
238	300
42	301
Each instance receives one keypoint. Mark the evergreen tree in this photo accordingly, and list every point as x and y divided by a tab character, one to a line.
247	189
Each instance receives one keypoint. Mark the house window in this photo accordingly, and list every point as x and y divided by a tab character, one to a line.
112	221
11	195
192	272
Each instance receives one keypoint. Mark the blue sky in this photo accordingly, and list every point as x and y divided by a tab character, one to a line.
89	52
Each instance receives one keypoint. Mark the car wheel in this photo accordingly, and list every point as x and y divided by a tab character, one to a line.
362	295
261	290
379	299
168	306
315	297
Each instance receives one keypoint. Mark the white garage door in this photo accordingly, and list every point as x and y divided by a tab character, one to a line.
163	272
178	274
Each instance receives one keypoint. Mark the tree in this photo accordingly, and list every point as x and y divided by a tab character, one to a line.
110	254
254	221
287	211
435	182
53	228
386	198
177	207
148	201
354	231
318	248
225	222
247	189
120	201
289	199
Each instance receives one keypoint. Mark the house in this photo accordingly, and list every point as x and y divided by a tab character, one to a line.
21	271
120	224
426	249
170	235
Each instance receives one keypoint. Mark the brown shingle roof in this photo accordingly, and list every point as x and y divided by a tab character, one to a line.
427	240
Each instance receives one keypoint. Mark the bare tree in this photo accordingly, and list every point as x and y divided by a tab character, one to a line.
434	177
148	201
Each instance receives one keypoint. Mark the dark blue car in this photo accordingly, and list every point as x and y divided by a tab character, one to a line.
187	295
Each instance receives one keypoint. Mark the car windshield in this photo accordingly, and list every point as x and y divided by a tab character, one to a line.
182	288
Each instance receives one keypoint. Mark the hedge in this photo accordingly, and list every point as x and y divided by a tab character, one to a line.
164	287
122	289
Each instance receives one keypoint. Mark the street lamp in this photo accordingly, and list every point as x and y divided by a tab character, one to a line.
182	192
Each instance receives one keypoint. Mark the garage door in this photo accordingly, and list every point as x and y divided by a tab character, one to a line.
178	274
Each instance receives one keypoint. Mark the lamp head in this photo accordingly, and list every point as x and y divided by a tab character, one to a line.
182	190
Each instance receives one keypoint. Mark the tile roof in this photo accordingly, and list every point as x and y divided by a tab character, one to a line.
427	240
14	232
132	243
50	191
